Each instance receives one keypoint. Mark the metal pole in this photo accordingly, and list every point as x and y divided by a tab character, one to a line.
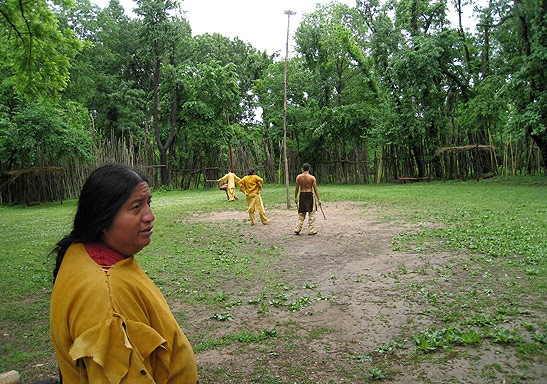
288	13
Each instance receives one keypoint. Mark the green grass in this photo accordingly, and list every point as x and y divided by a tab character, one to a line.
499	224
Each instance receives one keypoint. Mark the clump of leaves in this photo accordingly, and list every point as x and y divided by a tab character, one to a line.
279	300
257	300
362	358
430	339
389	347
264	307
233	303
222	317
299	303
221	296
503	335
470	336
540	336
377	373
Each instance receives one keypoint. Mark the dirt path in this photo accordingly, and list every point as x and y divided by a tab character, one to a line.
351	259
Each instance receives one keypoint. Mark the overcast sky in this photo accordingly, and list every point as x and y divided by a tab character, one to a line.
262	23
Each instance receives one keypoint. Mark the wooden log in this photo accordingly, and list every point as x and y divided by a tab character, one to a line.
403	180
10	377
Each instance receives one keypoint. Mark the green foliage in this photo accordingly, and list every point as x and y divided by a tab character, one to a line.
39	130
243	337
393	82
103	76
222	317
35	51
377	373
429	340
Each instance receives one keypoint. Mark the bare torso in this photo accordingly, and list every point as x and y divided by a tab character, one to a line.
306	183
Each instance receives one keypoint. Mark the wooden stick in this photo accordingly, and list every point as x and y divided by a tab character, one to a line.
324	217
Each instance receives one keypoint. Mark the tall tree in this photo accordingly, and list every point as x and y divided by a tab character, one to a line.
331	42
34	50
532	16
156	36
208	94
105	76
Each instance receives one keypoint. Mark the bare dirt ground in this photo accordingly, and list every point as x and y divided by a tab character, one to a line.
340	340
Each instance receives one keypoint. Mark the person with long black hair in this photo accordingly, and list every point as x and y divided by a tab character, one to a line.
109	322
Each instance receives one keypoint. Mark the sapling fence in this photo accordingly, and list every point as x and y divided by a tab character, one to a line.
53	180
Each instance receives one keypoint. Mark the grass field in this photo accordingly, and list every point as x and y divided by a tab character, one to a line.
459	281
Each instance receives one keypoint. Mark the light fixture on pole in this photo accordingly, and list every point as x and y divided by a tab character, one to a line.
288	13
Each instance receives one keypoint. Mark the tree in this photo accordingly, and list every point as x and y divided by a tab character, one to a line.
532	16
105	75
34	50
332	44
208	94
157	36
249	64
42	131
515	67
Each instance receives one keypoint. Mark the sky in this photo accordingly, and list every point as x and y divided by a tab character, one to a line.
262	23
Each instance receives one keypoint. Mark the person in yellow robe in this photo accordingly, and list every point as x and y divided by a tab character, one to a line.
251	186
109	322
230	178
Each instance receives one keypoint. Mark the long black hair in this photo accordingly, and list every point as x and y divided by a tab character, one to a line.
104	192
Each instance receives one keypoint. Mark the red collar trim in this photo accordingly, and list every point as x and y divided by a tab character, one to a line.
103	255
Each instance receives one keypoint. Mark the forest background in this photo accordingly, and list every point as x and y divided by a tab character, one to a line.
375	92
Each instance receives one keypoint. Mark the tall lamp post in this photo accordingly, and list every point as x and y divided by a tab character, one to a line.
288	13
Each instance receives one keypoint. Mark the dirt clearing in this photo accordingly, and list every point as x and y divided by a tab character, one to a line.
362	330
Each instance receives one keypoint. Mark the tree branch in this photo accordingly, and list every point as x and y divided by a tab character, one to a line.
13	26
22	7
503	20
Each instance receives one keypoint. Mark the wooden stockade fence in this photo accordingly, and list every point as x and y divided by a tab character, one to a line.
32	185
466	161
53	180
36	185
64	179
465	148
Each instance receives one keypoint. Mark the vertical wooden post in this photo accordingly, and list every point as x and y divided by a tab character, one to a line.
288	13
230	144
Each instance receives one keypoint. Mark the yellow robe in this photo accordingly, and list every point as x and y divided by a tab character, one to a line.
114	325
230	178
251	186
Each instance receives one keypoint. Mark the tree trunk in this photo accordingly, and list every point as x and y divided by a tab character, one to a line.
541	142
162	148
419	160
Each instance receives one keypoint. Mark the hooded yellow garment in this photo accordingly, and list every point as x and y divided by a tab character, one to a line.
114	326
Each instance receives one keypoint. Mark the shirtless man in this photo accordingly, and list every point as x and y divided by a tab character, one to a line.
307	185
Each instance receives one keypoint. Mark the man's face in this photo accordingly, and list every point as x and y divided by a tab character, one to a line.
132	226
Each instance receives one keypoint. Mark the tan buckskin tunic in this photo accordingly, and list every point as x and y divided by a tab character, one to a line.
114	326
